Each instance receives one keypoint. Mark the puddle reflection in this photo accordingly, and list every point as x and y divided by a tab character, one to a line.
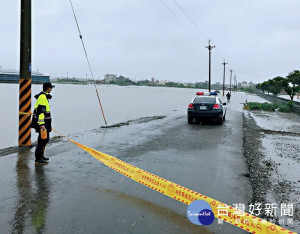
34	192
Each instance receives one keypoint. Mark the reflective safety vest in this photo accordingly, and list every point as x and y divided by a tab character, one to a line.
41	113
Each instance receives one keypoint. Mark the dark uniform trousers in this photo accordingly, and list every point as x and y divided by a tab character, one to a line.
39	151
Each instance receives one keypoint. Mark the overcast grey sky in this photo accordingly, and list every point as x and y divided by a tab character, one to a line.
260	39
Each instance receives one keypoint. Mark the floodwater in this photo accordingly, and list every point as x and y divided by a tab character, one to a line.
76	194
277	121
280	145
75	108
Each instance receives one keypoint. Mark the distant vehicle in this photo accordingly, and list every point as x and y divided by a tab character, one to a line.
206	106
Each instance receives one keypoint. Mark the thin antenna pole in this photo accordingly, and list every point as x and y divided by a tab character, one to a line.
80	35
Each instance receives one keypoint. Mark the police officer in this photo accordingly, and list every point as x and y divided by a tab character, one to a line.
228	95
41	121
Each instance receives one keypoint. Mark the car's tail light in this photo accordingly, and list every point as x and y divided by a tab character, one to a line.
191	106
216	106
200	93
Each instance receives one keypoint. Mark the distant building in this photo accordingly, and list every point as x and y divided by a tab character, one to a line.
244	84
163	82
120	79
251	84
152	80
109	78
13	76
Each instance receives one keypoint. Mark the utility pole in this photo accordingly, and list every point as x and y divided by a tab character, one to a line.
224	77
230	80
234	83
25	75
209	47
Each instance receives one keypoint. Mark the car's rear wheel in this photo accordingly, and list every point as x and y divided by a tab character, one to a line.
190	120
220	120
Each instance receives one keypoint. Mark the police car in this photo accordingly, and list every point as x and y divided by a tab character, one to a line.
206	106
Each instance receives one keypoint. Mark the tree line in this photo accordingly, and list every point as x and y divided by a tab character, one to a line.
290	84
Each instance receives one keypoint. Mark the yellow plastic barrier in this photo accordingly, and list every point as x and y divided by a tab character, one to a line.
247	222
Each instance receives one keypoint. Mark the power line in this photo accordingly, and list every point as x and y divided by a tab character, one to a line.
199	30
189	18
196	27
172	12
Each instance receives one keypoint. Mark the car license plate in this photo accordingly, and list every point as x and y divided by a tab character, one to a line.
203	107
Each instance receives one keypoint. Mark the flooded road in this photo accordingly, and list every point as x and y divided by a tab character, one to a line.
77	194
75	108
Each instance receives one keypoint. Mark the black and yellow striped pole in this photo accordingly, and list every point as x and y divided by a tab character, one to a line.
25	75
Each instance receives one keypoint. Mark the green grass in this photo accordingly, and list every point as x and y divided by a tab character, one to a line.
254	105
284	108
268	106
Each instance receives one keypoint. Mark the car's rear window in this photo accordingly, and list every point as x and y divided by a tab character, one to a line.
205	100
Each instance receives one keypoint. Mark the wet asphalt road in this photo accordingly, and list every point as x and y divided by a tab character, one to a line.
77	194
